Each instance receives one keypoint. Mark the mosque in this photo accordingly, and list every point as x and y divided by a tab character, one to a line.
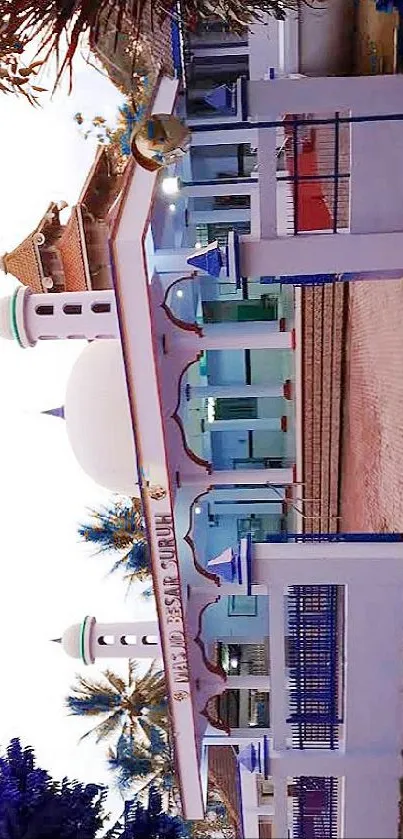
281	648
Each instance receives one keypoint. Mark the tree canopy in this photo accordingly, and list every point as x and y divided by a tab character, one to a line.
34	806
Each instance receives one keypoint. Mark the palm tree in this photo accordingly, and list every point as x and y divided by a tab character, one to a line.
145	765
120	528
59	25
138	704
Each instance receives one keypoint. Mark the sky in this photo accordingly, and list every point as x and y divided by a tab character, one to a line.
48	580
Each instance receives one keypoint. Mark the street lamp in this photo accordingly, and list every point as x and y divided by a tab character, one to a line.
171	185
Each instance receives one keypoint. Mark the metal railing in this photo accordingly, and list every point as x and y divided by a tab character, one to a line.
315	659
315	810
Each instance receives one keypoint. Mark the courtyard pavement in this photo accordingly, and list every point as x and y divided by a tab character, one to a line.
372	436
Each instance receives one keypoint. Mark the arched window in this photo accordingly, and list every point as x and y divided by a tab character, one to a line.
106	640
149	640
44	310
72	309
101	308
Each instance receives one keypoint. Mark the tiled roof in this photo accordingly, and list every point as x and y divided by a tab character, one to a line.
24	264
73	252
223	774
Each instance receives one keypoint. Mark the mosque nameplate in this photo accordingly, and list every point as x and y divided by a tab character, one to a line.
170	600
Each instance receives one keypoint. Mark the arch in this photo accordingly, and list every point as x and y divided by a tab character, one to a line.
106	640
72	308
101	308
44	309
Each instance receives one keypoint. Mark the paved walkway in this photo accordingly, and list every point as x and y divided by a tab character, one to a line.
372	454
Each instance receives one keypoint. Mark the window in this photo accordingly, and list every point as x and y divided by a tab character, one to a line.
72	309
242	605
44	310
101	308
106	640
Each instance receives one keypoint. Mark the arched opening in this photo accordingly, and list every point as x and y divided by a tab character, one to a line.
149	640
101	308
72	309
128	640
44	310
106	640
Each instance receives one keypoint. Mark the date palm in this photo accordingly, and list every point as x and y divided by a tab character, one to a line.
58	26
119	529
138	704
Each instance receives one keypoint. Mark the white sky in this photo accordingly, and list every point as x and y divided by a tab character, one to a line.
47	579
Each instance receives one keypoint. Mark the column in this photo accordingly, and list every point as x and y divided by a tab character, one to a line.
268	508
217	137
247	494
217	188
245	424
237	477
224	216
360	94
278	680
249	682
236	391
321	253
259	335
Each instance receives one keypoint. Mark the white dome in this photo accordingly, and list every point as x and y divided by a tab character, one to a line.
98	417
77	642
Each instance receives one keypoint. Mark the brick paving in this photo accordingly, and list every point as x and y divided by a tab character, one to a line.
372	436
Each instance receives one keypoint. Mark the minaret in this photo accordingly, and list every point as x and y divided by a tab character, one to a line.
28	318
90	640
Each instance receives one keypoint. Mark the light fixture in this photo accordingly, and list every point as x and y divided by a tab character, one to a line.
179	293
170	186
172	207
198	246
233	663
197	511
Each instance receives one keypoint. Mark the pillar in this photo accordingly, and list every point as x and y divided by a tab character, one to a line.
259	335
236	391
245	424
249	682
268	508
321	253
221	216
247	494
237	477
217	188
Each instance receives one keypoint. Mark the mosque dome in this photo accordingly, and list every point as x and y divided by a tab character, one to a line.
98	419
77	640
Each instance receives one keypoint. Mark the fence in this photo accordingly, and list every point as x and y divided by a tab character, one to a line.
315	656
315	813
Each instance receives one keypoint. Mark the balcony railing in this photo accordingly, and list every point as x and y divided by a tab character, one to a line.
315	661
315	813
315	810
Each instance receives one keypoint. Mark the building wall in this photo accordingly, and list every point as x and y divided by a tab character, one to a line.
323	331
326	34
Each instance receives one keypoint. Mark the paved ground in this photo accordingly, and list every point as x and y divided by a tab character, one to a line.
372	453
